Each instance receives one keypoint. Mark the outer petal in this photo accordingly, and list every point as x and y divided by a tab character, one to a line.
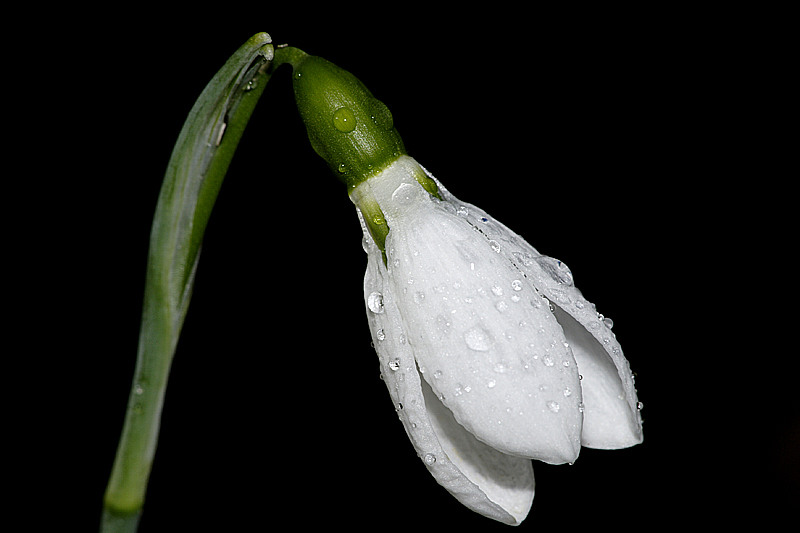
488	344
491	483
611	407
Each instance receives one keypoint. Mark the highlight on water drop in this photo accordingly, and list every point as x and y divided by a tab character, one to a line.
344	120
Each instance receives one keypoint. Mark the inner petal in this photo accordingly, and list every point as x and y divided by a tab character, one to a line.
610	418
504	479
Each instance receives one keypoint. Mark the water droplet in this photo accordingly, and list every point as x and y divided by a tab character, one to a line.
342	168
484	220
555	269
405	193
491	383
462	211
553	406
548	360
497	290
375	302
380	334
478	339
138	389
394	365
516	285
580	304
501	306
378	219
437	374
639	406
429	459
419	297
608	322
344	120
495	245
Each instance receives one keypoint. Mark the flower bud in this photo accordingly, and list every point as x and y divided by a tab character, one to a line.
347	126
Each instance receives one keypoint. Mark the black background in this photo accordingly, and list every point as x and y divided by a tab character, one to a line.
599	137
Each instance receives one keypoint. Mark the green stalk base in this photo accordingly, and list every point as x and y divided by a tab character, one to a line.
115	522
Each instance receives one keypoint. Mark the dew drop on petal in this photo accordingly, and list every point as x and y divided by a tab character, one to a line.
394	365
478	339
553	406
375	302
405	194
429	459
556	269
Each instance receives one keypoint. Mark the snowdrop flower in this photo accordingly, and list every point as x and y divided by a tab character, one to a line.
491	355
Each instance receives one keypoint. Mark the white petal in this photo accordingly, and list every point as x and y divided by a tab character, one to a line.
611	407
495	485
611	417
490	347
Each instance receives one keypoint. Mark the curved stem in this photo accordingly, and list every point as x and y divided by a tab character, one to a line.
288	54
194	175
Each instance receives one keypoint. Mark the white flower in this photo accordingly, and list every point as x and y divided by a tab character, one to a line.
491	356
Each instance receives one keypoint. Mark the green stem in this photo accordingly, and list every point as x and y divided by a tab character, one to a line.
194	175
288	54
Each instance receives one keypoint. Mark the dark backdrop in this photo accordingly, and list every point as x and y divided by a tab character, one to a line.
593	135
